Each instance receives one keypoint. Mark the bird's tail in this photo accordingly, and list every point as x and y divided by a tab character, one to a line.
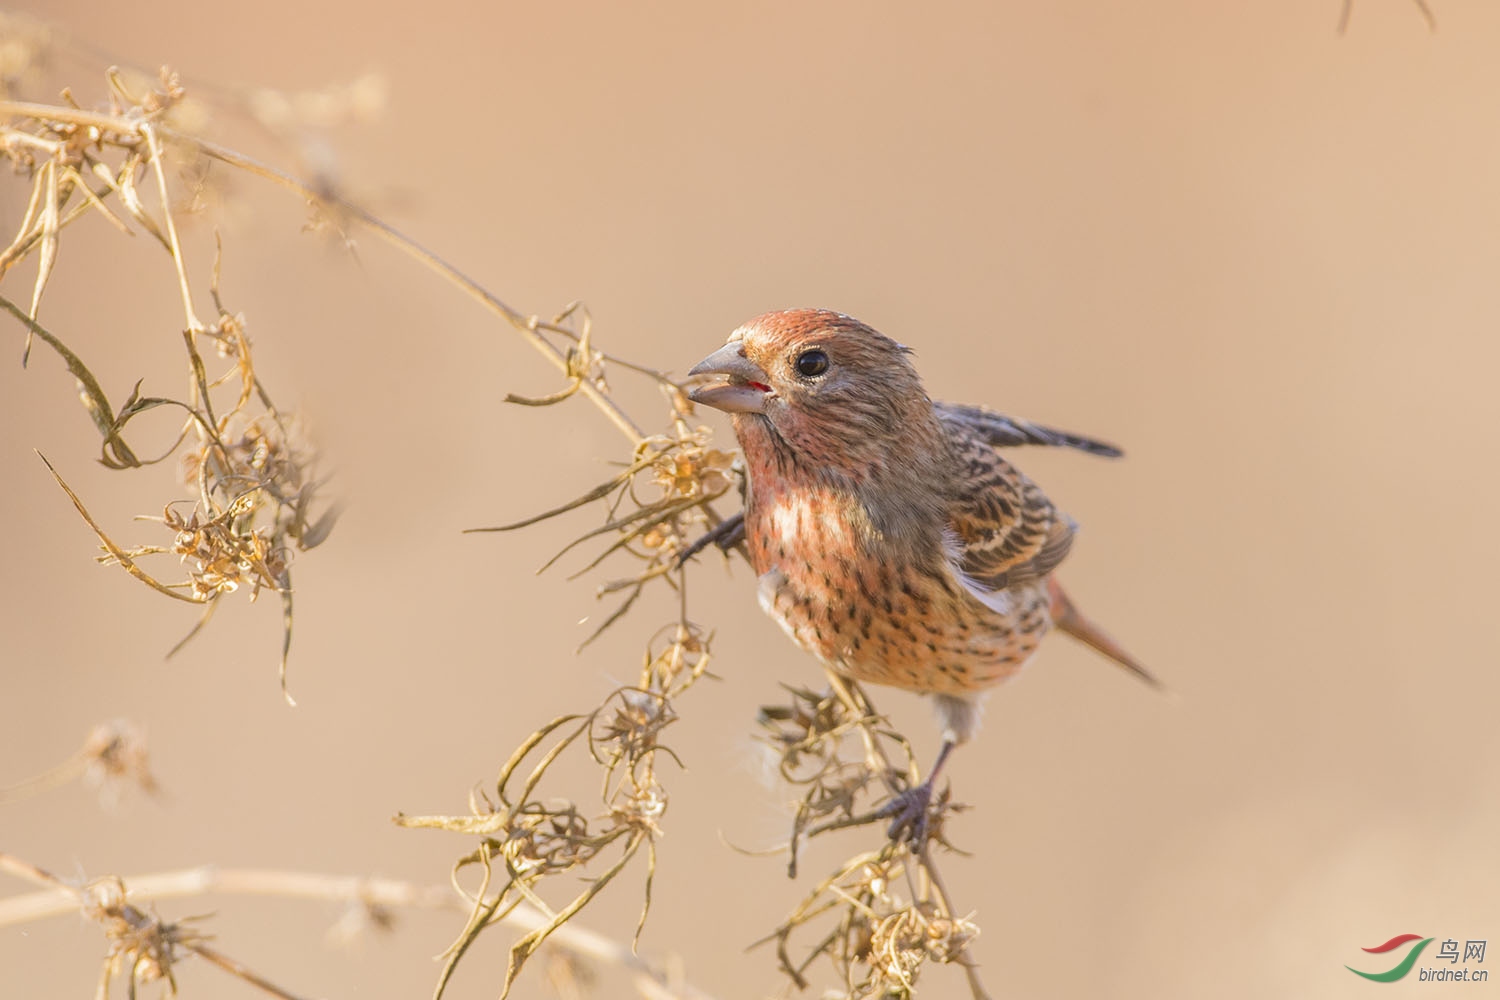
1067	618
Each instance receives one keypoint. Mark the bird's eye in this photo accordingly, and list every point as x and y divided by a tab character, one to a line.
812	363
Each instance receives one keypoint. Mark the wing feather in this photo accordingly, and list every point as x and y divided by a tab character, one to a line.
999	431
1004	529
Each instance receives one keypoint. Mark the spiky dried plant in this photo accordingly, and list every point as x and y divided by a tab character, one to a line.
255	490
257	501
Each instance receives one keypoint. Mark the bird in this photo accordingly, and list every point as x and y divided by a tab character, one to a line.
889	536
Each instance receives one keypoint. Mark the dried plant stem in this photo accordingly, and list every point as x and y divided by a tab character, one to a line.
194	326
232	881
652	981
119	554
234	968
530	327
72	898
72	116
971	968
853	696
53	777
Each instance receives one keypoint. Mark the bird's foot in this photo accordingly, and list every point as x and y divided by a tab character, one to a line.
726	535
911	816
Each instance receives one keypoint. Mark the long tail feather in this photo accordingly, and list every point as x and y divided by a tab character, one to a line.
1067	618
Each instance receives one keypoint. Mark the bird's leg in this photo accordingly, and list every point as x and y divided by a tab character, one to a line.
726	535
909	810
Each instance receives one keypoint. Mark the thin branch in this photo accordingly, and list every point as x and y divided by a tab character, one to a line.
653	981
530	327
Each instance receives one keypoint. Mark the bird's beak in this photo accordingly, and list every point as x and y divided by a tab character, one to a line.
745	387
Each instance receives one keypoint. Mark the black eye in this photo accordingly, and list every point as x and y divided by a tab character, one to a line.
812	363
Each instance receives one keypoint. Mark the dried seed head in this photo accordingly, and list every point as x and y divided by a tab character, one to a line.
104	898
116	758
643	806
681	659
629	731
693	469
141	945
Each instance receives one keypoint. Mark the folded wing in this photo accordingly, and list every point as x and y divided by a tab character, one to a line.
1006	530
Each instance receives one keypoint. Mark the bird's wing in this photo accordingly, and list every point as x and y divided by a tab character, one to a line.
999	431
1004	529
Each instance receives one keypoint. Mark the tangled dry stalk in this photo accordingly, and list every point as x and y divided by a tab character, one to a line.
878	919
256	488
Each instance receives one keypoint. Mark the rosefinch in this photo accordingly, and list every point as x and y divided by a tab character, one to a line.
891	539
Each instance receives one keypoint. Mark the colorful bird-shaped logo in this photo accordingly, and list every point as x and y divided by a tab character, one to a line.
1402	967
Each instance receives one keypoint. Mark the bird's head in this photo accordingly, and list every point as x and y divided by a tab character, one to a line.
822	380
818	397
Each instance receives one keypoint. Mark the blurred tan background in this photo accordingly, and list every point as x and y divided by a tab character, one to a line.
1260	256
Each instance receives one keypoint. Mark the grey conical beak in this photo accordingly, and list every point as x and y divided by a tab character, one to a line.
745	387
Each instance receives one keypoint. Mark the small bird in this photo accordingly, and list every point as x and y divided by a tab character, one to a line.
891	539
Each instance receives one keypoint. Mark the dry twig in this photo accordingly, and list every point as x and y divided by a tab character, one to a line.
143	948
369	903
